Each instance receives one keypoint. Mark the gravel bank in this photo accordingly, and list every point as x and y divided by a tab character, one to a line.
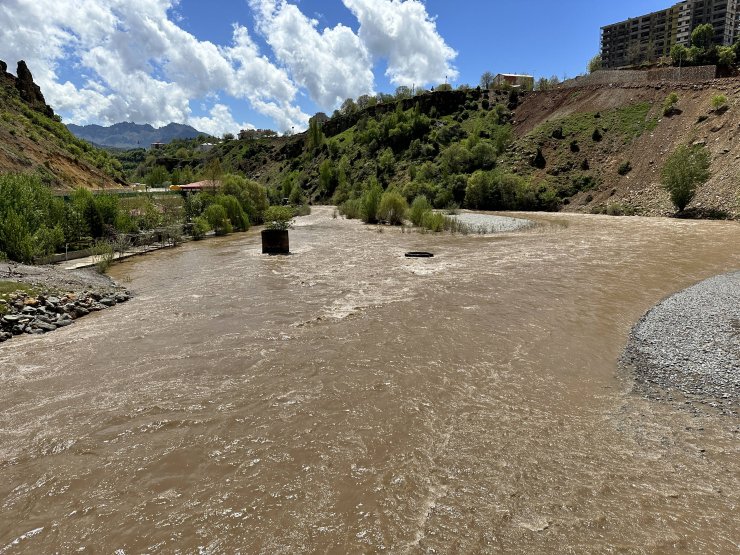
58	297
487	223
690	344
55	277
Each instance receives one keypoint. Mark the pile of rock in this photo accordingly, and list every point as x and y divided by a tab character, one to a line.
42	313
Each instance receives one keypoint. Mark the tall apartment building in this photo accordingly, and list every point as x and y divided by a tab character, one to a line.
648	37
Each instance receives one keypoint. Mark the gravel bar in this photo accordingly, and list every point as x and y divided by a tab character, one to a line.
690	343
487	223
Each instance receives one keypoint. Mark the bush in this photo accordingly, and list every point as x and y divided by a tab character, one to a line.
279	217
200	228
669	105
685	169
351	209
619	209
624	168
103	255
719	102
434	221
302	210
419	207
371	203
218	219
393	208
596	135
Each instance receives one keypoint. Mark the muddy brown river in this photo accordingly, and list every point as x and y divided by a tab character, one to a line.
346	399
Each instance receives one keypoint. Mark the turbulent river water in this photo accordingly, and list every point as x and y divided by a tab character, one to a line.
345	399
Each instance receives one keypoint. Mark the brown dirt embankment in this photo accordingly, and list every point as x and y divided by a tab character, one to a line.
640	189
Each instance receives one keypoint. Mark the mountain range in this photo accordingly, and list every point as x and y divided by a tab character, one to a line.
132	135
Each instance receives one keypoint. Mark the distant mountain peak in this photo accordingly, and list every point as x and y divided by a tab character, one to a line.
133	135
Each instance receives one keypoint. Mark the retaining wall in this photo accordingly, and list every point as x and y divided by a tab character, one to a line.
644	77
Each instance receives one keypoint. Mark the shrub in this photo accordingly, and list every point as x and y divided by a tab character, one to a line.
200	228
419	207
103	255
685	169
619	209
433	221
719	102
539	160
234	212
624	168
351	209
393	208
371	203
596	135
279	217
302	210
669	104
218	219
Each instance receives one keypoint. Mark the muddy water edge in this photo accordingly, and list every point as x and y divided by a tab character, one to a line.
345	399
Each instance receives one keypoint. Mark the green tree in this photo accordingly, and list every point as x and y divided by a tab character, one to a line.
419	207
157	177
213	172
679	54
348	107
371	202
218	219
683	172
234	212
327	178
315	135
595	64
486	80
296	197
703	36
726	55
403	92
393	208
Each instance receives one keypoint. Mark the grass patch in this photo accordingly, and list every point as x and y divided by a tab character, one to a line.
8	288
627	122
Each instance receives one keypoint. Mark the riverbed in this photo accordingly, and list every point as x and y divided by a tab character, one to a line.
346	399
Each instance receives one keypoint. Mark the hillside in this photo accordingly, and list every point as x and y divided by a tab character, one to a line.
639	190
131	135
593	149
33	140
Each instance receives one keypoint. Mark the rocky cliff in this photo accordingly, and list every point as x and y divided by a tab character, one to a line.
33	139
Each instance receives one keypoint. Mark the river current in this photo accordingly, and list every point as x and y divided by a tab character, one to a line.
345	399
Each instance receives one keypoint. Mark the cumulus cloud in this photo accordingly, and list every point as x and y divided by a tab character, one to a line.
332	65
218	121
141	65
136	63
402	33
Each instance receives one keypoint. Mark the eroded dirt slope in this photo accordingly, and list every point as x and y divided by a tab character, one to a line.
639	189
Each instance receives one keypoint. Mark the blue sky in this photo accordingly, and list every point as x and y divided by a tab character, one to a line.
160	60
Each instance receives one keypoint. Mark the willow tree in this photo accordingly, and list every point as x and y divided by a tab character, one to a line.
683	172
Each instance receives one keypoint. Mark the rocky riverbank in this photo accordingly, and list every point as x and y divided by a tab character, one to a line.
687	348
48	298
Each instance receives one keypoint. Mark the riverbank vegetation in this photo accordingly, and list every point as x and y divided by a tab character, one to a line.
34	223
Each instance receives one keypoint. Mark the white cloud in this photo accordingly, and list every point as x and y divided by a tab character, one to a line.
136	63
142	66
402	33
332	64
220	121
